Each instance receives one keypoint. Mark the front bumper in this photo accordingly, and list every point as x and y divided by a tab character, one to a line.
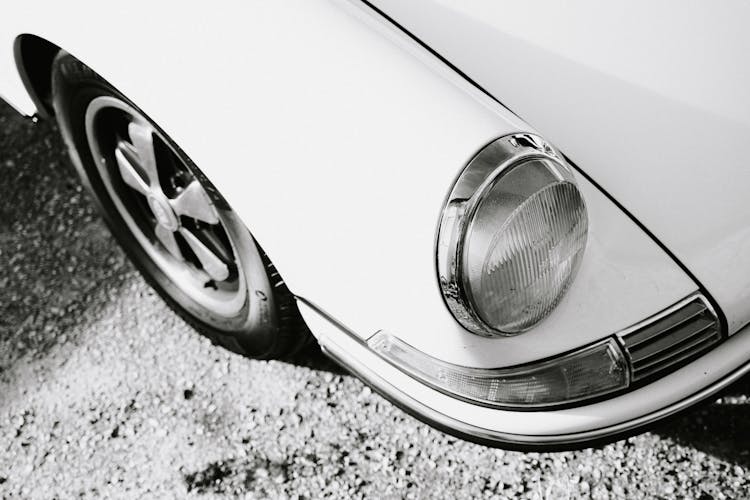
557	429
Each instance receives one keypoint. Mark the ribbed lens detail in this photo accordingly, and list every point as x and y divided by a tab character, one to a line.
532	244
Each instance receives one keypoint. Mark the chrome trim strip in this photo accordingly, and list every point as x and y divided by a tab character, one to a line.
641	369
490	437
669	310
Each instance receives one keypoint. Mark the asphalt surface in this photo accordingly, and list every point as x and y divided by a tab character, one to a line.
104	392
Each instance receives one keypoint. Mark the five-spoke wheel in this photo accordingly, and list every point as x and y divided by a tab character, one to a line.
164	205
180	233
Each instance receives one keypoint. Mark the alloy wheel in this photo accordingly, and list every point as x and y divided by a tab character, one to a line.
165	206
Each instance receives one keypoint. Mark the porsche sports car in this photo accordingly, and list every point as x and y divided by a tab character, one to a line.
525	223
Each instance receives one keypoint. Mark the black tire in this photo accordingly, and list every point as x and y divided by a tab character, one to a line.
267	325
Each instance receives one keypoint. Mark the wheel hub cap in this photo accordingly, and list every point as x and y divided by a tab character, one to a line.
163	213
165	206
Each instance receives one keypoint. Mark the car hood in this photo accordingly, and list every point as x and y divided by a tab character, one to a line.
652	102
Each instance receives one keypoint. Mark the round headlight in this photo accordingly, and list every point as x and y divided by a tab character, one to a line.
511	237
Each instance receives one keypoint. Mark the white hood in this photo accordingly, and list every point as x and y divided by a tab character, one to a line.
649	99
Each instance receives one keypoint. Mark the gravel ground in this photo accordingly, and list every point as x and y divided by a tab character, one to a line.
104	392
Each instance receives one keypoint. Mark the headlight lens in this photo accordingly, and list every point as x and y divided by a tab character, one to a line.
523	246
512	236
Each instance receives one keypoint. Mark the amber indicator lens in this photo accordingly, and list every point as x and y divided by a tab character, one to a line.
589	372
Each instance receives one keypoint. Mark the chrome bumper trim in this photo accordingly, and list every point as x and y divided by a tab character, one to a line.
348	349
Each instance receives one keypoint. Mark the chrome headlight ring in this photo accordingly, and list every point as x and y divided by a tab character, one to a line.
457	264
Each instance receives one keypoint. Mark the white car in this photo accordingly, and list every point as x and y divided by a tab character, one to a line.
526	223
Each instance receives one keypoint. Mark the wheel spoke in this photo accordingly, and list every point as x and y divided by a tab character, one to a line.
194	202
142	136
212	264
127	159
166	238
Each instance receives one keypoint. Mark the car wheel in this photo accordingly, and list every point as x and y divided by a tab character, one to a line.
172	222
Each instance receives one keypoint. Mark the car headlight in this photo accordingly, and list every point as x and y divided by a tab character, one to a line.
511	236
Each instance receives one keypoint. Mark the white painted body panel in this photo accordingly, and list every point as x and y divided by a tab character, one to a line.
336	139
651	99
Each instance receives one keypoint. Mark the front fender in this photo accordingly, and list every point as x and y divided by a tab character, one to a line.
336	138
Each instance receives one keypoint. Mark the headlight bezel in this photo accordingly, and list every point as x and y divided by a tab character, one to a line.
467	192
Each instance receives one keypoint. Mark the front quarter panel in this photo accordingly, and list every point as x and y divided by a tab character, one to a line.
336	138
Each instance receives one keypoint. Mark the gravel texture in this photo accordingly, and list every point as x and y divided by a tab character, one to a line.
104	392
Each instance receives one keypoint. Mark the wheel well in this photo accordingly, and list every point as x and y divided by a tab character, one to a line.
34	56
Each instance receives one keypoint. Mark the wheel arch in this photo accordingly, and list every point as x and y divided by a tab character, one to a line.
33	56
